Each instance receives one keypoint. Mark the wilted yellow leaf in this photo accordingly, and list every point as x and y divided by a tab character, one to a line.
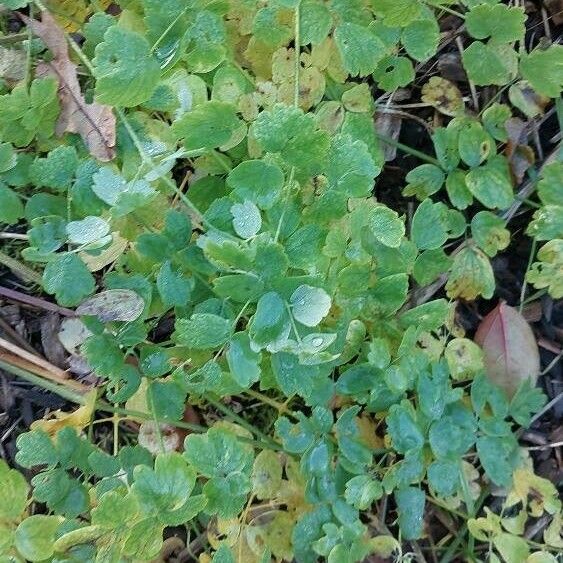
443	95
78	419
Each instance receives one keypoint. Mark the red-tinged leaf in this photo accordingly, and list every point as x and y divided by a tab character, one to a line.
510	349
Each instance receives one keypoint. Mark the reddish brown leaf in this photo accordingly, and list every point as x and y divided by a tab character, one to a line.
510	349
95	123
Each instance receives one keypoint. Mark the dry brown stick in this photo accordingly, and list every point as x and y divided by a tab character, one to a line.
15	336
58	374
20	363
14	295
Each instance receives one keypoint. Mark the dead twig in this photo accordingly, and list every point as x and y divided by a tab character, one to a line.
55	373
20	297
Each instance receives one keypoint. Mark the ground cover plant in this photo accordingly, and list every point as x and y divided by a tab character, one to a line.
266	242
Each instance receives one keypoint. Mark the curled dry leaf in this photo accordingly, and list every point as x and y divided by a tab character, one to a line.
78	419
510	349
113	305
443	95
95	123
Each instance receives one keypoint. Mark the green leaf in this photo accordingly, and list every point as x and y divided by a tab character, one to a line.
126	72
403	429
293	134
166	399
362	491
270	28
544	70
482	22
545	273
247	220
166	489
223	555
350	168
449	439
428	316
239	287
310	305
11	207
266	475
8	158
547	223
13	493
443	477
124	197
474	143
386	226
548	186
258	181
206	39
410	505
429	265
57	170
471	275
226	496
66	267
202	331
174	289
420	39
423	181
207	126
271	320
87	230
243	361
457	189
494	121
489	232
445	145
218	453
393	72
360	49
428	230
526	401
498	457
511	547
144	540
397	12
490	183
491	63
315	22
35	537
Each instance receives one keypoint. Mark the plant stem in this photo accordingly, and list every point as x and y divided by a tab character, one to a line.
406	149
20	269
60	390
280	407
242	422
525	283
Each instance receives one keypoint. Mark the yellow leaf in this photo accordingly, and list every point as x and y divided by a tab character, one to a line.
78	419
552	534
443	95
539	494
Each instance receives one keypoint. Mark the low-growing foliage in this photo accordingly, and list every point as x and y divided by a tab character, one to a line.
287	279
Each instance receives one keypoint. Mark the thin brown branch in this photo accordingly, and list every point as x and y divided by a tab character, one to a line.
20	297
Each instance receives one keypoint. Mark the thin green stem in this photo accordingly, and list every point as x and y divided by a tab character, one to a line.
242	422
59	390
407	149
